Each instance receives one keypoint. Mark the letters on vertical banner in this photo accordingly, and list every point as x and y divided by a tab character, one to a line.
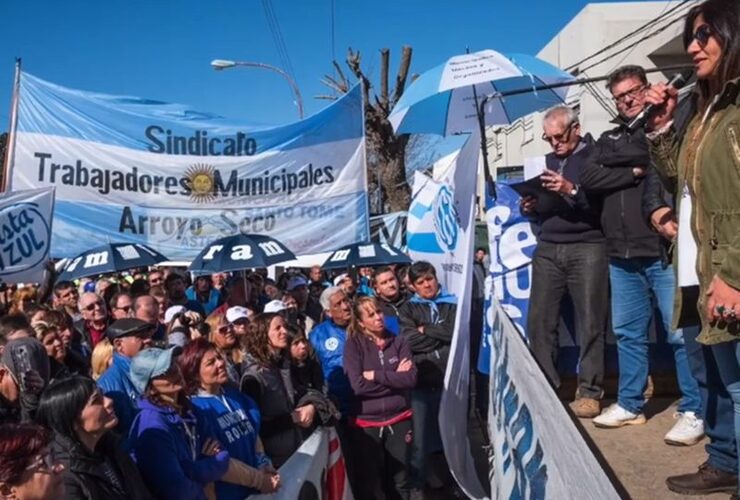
25	234
441	230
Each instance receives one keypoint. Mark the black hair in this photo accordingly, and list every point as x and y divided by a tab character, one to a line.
62	403
10	324
139	287
172	277
723	18
624	72
419	269
114	300
62	285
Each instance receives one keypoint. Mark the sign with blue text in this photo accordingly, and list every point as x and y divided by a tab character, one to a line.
25	234
134	170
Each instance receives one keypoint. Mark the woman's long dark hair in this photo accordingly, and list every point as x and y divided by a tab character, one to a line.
256	341
723	18
62	403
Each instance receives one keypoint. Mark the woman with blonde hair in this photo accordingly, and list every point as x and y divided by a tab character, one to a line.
223	337
381	371
23	299
102	357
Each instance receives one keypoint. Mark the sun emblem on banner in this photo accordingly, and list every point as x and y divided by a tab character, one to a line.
200	176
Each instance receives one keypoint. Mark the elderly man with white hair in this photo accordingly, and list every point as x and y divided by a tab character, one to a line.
570	258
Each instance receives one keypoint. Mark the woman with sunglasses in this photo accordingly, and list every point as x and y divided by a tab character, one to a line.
267	379
28	468
231	417
95	465
224	338
703	163
175	458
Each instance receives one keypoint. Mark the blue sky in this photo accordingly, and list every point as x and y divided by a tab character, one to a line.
161	49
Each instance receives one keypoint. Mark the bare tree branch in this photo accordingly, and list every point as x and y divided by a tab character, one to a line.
403	71
384	63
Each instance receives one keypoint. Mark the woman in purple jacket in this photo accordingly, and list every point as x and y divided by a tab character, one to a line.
381	372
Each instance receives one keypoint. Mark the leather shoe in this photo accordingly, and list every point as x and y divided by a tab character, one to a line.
704	481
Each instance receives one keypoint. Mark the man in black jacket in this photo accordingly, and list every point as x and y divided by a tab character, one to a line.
427	322
570	257
390	297
636	270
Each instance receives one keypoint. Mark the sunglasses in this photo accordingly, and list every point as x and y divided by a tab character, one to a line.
701	35
124	308
90	307
224	329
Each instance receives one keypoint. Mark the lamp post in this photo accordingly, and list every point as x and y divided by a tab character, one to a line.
221	64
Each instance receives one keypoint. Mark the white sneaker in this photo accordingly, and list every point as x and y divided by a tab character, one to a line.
616	416
687	431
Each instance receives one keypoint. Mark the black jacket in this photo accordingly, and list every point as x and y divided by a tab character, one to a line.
392	308
107	474
432	348
610	172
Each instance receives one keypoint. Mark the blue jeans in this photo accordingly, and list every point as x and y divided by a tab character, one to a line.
727	355
717	412
427	439
632	280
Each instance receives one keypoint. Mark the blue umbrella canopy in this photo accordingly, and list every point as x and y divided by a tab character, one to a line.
441	101
366	254
240	251
110	258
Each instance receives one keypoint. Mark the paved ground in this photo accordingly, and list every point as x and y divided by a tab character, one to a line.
640	458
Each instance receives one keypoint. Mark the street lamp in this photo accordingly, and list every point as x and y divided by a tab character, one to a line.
221	64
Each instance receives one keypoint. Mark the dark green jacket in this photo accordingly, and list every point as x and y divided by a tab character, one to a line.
707	160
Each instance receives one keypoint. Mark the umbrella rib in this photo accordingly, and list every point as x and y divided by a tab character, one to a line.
447	113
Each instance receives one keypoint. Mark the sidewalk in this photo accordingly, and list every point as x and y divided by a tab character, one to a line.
640	458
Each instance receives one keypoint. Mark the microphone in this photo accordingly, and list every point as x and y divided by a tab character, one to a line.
678	81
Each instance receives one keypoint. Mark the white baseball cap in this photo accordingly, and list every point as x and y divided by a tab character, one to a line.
338	280
173	311
274	306
236	312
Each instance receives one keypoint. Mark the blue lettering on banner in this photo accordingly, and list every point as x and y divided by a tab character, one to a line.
446	220
512	242
24	238
520	452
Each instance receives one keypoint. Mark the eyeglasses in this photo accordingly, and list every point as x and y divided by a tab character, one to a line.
124	308
224	329
701	35
240	322
632	94
90	307
561	138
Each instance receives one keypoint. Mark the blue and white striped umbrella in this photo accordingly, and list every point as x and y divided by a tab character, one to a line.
441	100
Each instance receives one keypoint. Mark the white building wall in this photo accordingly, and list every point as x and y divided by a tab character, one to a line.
595	27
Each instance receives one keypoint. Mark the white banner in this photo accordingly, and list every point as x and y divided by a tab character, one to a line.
536	451
315	471
134	170
25	234
441	230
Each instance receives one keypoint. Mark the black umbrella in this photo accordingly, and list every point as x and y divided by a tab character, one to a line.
110	258
241	251
366	254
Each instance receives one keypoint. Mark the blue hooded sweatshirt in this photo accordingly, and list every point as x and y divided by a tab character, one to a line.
234	420
116	384
166	448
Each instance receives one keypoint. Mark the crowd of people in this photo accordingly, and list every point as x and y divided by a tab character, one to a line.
650	218
147	385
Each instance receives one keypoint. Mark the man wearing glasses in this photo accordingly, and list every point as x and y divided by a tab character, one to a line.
91	327
638	267
570	258
121	306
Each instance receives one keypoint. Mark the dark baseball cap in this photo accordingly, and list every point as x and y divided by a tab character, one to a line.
128	326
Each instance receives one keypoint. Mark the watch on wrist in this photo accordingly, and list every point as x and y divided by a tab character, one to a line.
574	191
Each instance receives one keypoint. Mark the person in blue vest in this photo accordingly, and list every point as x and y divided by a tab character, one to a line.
129	336
203	292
